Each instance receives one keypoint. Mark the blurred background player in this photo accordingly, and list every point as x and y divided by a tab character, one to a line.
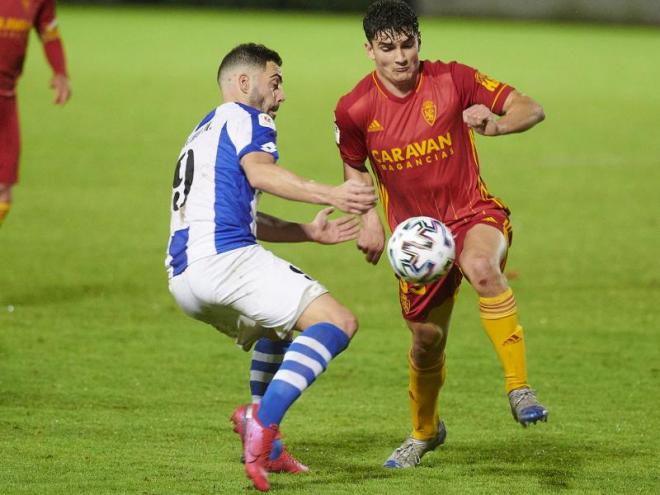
17	17
414	120
218	272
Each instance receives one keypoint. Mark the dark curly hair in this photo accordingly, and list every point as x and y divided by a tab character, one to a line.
251	54
390	18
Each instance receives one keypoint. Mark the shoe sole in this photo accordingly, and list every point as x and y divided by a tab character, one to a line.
526	422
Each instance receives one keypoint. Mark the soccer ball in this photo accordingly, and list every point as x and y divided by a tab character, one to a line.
421	249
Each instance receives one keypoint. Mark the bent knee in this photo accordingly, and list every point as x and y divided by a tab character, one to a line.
326	309
428	338
481	270
346	321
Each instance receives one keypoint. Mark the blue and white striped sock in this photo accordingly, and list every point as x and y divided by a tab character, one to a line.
266	360
308	356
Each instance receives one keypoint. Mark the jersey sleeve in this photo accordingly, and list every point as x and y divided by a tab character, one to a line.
350	138
477	88
46	25
256	133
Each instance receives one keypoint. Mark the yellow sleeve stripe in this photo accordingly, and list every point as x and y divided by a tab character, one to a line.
50	35
473	147
384	197
497	96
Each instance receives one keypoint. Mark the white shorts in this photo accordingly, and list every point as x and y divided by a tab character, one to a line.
245	293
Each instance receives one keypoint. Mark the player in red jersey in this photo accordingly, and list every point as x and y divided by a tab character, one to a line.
415	122
17	17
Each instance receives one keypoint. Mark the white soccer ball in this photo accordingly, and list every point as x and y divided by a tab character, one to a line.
421	249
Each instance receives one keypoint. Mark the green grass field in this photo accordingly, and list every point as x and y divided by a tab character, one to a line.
106	387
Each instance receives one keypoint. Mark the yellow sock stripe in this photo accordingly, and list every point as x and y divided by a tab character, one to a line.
500	306
431	369
496	308
497	304
497	299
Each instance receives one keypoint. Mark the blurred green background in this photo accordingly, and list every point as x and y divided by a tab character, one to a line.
106	387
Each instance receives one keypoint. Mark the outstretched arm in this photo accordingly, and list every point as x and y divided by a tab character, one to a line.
46	25
371	239
351	197
321	229
520	112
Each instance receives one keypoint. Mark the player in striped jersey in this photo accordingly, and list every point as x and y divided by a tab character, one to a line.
219	274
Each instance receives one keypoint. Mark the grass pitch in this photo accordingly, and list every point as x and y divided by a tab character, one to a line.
106	387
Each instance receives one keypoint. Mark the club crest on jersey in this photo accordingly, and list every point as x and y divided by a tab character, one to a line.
266	120
429	112
26	5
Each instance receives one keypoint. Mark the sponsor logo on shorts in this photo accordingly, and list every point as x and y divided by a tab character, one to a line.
295	269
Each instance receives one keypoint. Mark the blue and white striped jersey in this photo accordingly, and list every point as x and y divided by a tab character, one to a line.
214	207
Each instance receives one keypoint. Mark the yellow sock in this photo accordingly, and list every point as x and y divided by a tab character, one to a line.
499	316
4	210
423	390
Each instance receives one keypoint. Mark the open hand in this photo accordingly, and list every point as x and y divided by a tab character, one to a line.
325	231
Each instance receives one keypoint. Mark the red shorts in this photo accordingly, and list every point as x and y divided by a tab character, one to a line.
9	140
417	300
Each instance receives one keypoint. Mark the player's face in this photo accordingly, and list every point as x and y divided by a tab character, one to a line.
396	58
266	93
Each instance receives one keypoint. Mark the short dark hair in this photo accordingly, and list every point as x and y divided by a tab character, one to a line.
391	18
251	54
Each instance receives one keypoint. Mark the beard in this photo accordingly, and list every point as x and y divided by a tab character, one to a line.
256	99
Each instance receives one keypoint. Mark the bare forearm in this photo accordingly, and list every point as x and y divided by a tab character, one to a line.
263	174
273	229
371	219
371	238
523	113
285	184
364	177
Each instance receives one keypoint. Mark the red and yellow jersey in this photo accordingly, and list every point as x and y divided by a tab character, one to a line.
422	154
17	18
